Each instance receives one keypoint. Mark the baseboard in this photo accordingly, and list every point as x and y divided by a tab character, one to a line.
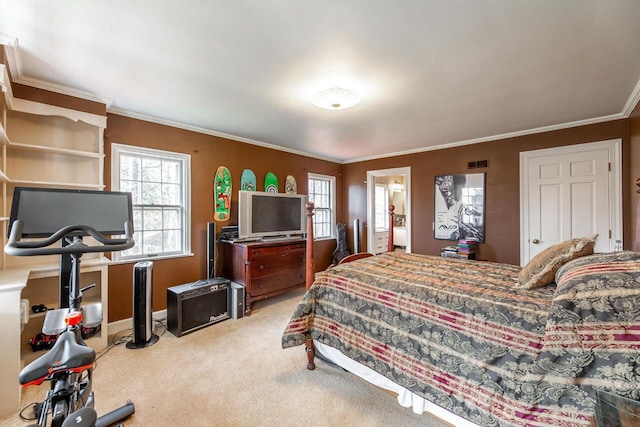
121	325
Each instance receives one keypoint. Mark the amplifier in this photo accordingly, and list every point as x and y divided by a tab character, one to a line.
196	305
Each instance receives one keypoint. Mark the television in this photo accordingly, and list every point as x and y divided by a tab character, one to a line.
46	210
262	215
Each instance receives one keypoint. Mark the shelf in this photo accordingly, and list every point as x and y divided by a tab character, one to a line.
86	299
4	139
52	270
53	184
25	182
56	150
38	108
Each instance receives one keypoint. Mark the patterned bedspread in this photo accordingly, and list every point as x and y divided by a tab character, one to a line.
460	335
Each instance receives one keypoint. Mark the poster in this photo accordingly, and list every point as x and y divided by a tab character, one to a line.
459	207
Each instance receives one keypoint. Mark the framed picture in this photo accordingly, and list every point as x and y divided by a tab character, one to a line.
459	207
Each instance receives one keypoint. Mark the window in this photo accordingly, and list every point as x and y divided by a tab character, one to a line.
159	183
381	208
473	206
322	192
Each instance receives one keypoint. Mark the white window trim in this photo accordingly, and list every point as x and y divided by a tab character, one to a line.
332	185
385	210
116	150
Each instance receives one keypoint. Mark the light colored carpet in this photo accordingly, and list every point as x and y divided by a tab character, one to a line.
235	373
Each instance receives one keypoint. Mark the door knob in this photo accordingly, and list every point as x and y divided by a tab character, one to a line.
536	241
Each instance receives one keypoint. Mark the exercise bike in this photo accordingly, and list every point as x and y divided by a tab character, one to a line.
68	365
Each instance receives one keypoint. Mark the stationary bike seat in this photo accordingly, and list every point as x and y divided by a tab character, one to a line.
65	355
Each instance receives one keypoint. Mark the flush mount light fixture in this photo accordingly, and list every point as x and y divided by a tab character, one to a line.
336	98
396	186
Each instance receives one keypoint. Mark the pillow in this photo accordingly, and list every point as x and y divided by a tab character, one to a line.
541	270
608	264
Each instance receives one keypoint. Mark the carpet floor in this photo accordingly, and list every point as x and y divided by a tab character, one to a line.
235	373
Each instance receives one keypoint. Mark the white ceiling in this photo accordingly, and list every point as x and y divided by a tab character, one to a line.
432	73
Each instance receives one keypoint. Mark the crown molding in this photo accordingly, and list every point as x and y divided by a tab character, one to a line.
632	102
63	90
5	85
205	131
12	51
14	65
533	131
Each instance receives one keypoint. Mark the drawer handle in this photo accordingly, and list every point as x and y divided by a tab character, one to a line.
260	285
261	267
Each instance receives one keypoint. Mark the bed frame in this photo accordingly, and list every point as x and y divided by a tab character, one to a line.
310	255
636	241
311	272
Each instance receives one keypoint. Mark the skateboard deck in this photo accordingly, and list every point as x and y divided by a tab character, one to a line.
271	183
248	180
222	194
290	185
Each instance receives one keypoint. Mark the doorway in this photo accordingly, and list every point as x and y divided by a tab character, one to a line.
385	187
569	192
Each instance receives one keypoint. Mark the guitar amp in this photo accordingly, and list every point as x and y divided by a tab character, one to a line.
193	306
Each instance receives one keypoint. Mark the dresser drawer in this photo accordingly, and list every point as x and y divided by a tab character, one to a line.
276	264
277	251
381	242
266	269
287	278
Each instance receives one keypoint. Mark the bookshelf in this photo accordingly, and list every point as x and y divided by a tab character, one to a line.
42	145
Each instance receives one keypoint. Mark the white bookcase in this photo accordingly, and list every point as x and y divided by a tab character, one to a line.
43	146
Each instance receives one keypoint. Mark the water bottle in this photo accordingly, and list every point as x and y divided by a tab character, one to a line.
618	246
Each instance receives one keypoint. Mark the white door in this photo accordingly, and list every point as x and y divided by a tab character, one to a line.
570	192
371	180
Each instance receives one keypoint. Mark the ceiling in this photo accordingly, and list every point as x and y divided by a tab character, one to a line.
431	73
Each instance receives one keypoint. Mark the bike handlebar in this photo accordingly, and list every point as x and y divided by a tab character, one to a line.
40	247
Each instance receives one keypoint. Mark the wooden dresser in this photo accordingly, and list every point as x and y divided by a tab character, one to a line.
265	269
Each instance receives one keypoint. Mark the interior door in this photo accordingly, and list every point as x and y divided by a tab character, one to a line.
569	193
371	211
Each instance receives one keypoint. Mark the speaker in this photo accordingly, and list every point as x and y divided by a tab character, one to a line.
211	250
193	306
143	335
236	302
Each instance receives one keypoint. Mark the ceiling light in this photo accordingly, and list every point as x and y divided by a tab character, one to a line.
336	98
396	186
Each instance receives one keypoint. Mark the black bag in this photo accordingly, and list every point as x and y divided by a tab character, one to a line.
342	247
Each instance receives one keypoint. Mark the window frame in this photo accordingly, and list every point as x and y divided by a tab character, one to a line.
384	210
332	201
117	150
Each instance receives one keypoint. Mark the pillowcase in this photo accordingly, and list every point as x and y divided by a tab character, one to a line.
541	270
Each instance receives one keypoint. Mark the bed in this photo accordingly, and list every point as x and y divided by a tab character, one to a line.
461	340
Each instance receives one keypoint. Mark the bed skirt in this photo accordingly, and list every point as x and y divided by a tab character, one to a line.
405	397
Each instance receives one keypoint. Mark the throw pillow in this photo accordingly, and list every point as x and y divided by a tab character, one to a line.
541	270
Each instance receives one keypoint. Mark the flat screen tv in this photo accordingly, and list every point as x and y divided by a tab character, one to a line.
46	210
263	215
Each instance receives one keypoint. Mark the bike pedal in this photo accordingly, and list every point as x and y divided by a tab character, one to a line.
37	410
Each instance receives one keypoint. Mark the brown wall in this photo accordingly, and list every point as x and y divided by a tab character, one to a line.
59	100
207	153
502	216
